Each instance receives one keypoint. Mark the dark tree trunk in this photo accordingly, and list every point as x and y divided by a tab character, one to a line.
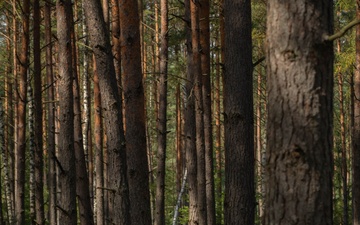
38	132
50	116
238	114
299	130
161	119
66	155
21	119
206	92
356	129
135	113
119	205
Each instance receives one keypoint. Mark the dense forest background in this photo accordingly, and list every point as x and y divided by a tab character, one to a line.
114	111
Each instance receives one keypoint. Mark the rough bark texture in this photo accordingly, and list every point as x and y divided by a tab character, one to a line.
161	119
356	129
38	122
119	206
135	113
299	130
238	114
21	119
66	155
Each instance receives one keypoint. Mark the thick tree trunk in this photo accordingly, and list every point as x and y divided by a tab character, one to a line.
299	131
356	129
161	118
135	114
119	205
21	119
238	115
66	155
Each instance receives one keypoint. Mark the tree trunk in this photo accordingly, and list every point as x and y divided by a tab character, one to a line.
134	111
189	124
161	118
299	130
38	132
356	129
99	163
21	119
206	92
199	112
66	155
50	116
238	115
119	205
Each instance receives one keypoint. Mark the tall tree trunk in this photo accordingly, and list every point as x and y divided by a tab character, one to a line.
356	129
199	111
206	92
21	121
66	155
38	132
189	125
115	38
82	178
31	151
299	129
2	144
238	114
119	205
161	118
50	116
134	110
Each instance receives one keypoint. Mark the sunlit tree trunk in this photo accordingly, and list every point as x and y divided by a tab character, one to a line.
67	212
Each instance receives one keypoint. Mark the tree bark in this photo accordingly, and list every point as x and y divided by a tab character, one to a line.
21	119
99	163
66	155
238	114
135	115
204	24
299	130
162	118
119	205
50	116
38	122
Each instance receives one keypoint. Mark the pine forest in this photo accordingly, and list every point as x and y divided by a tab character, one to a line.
180	112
